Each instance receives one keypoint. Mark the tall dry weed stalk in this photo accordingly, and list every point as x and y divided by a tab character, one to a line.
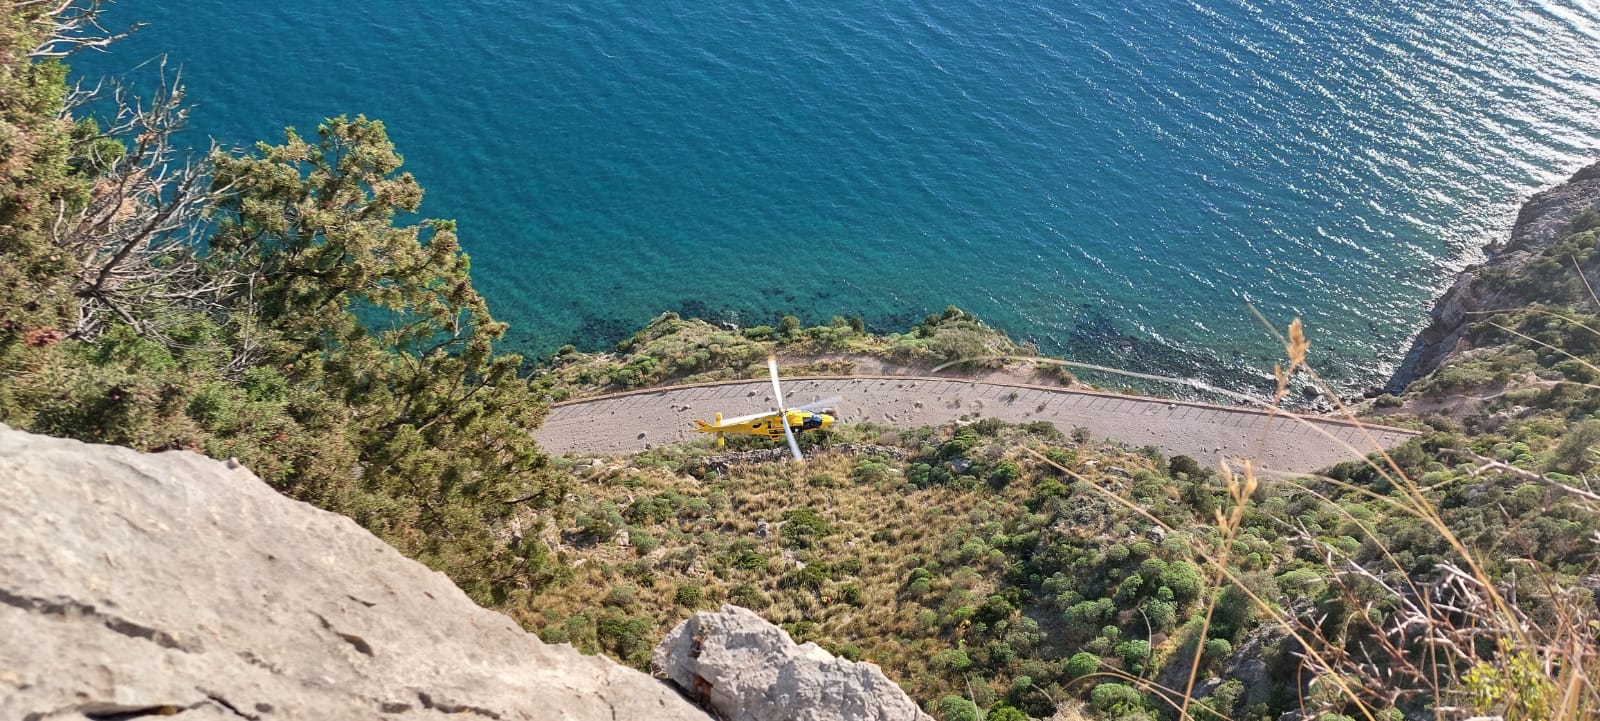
1446	642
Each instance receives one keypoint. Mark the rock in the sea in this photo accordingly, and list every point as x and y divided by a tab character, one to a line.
750	670
134	585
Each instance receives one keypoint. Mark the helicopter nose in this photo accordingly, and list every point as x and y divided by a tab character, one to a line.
827	420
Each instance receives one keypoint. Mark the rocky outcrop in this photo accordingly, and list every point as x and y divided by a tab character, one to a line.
750	670
1541	221
135	585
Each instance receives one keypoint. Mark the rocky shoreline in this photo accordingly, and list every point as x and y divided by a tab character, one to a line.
1542	220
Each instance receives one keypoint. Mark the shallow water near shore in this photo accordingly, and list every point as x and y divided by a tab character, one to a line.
1113	183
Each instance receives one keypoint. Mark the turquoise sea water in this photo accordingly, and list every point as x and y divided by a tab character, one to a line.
1114	181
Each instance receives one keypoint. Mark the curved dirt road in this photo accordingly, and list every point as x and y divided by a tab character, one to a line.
630	422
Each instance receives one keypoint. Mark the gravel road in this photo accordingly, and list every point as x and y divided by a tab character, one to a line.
632	422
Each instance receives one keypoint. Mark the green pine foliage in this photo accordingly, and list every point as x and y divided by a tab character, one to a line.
338	351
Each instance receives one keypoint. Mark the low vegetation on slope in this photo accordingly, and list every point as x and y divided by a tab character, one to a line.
986	566
686	350
950	557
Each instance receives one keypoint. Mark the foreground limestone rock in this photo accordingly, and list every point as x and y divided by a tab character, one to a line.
136	584
750	670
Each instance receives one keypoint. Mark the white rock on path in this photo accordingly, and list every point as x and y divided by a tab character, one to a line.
750	670
170	584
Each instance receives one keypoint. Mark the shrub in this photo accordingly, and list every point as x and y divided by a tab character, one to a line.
627	638
1217	649
1134	654
622	596
1004	473
1184	580
956	708
1184	467
749	597
813	577
802	525
1573	455
1082	664
989	427
687	596
1162	615
1226	697
643	543
1115	699
870	470
847	651
601	523
952	659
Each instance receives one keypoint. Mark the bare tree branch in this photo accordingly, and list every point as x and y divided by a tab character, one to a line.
72	25
138	239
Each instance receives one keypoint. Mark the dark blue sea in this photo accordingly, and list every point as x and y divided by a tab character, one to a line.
1114	181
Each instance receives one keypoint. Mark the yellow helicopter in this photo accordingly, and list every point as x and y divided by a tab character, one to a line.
783	422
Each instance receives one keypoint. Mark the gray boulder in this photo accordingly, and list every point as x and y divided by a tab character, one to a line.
750	670
135	585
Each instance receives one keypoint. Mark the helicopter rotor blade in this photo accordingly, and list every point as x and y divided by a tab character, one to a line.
819	405
783	413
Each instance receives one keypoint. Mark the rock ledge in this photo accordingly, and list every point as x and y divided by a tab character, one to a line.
135	585
749	670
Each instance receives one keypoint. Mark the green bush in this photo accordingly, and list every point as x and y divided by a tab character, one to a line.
956	708
1184	579
749	597
622	596
1004	473
687	596
1082	664
1226	697
1134	653
1115	699
1217	649
870	470
803	525
952	659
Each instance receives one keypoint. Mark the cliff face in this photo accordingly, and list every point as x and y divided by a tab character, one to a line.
1540	222
136	584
